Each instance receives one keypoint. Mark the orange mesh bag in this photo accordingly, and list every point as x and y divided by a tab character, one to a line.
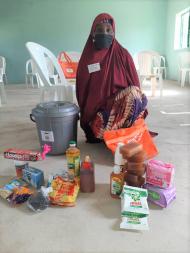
68	66
138	132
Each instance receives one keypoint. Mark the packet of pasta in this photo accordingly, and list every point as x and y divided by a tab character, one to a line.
64	191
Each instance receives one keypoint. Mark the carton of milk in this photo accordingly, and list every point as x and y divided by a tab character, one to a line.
159	174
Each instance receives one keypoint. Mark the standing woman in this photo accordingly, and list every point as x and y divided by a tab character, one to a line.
107	85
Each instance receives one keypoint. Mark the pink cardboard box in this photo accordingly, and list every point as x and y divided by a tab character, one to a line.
159	174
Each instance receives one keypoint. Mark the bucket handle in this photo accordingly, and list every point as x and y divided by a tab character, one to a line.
31	117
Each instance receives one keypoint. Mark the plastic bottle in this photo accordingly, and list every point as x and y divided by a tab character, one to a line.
87	180
116	182
118	158
73	159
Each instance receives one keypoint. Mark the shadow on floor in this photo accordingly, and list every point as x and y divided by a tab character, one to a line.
98	152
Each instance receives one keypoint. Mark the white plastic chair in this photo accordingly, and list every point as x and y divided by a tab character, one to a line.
144	64
184	67
61	90
51	70
31	73
3	76
3	97
159	64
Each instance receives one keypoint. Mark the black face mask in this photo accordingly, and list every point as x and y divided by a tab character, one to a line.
103	41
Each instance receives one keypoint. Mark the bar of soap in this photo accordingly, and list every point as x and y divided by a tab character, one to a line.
138	157
130	149
136	168
159	196
159	173
133	180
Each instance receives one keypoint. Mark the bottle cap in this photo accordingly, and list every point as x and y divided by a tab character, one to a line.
18	163
87	162
87	158
72	143
118	158
116	169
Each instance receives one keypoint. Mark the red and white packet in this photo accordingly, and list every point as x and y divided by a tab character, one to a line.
26	155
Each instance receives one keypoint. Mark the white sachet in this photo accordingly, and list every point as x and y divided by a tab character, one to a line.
134	199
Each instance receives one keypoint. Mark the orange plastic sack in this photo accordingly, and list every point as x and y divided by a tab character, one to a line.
138	132
68	66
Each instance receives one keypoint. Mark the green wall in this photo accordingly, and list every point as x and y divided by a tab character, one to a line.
174	6
65	25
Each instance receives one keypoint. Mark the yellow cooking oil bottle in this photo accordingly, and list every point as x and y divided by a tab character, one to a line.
73	159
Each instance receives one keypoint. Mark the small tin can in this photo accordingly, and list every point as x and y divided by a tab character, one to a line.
19	166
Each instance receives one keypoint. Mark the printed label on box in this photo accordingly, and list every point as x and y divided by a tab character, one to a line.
47	136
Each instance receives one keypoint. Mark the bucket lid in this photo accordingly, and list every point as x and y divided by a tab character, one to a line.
55	109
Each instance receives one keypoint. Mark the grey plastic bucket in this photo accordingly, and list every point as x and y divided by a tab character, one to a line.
56	124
